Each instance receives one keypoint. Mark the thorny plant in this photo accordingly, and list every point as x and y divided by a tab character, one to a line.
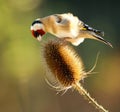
66	69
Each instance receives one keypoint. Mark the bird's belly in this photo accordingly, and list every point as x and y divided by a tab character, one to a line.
64	34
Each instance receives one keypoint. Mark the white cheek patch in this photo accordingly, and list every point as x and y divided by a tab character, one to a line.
39	38
38	19
37	26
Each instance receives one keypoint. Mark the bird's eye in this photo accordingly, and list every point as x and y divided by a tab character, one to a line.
58	19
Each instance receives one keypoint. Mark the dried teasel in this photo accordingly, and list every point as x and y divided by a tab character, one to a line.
66	68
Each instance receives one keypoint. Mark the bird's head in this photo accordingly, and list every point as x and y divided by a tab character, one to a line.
37	29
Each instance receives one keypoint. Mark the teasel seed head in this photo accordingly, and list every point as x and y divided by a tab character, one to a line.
67	68
64	62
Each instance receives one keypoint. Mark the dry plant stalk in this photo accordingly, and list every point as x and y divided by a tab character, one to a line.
67	68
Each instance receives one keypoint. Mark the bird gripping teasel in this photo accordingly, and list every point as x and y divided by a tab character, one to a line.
66	27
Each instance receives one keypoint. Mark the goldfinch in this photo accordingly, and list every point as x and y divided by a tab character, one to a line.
67	27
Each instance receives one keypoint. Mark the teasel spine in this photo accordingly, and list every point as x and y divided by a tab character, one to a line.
67	68
87	96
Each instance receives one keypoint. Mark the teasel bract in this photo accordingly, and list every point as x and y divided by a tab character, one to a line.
67	68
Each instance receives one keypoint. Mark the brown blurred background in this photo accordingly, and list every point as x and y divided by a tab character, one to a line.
22	85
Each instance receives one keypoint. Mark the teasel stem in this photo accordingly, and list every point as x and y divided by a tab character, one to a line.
87	96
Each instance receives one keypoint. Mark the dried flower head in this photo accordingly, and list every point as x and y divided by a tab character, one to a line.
67	68
64	63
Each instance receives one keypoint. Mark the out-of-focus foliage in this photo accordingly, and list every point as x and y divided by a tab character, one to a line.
22	87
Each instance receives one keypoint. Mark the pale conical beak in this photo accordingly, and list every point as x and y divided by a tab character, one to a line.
95	34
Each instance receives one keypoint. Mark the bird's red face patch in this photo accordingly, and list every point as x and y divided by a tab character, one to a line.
37	29
38	33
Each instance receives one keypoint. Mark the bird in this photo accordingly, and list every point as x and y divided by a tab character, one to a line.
66	27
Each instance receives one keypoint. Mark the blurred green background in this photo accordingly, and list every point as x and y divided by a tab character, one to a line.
22	84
